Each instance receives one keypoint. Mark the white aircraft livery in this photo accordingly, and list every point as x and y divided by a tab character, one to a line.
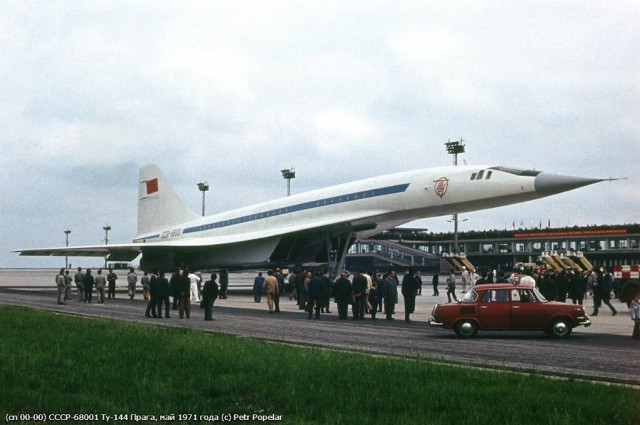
307	227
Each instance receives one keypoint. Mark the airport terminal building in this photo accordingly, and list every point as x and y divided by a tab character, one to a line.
403	247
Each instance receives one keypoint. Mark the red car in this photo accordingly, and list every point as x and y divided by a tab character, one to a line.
506	306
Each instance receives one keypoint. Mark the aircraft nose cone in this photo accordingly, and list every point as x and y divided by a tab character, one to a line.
551	184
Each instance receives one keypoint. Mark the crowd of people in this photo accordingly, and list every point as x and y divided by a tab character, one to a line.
85	283
562	286
366	294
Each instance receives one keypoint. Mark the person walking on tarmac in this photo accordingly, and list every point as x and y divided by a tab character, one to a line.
451	287
144	280
163	295
315	297
62	287
184	289
434	282
375	297
271	287
132	278
68	281
409	289
343	294
77	278
360	286
327	290
152	294
100	282
209	296
390	292
224	284
111	279
87	281
602	292
466	277
174	288
258	287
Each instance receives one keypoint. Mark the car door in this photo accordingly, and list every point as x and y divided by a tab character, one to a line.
526	311
494	309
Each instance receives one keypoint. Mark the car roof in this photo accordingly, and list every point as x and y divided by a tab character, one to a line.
503	286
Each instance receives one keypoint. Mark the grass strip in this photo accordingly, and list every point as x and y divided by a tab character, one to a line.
55	363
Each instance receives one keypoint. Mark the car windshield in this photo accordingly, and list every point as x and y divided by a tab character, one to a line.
539	295
470	297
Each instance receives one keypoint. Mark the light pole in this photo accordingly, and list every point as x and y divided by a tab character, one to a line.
454	148
288	174
455	231
66	243
203	187
106	242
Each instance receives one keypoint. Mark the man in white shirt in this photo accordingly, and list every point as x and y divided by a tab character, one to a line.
527	279
194	287
466	277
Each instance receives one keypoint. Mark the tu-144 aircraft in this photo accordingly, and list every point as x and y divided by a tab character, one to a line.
308	227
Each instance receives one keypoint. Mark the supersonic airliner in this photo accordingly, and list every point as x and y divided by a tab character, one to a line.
307	227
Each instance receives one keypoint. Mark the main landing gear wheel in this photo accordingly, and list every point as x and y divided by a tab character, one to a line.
466	328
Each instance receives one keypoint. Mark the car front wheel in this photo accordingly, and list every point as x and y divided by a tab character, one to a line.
466	328
560	328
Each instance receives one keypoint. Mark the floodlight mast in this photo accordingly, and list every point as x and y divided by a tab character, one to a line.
454	148
66	243
106	241
288	174
203	187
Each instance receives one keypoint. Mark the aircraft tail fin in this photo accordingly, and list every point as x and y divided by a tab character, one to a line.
159	206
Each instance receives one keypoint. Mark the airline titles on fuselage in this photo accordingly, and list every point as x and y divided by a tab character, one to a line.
173	233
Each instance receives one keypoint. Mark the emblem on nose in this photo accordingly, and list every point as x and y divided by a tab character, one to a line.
440	186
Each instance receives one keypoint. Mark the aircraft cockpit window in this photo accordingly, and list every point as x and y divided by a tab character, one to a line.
517	171
479	175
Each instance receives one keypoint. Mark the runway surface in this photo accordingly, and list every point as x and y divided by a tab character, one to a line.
603	352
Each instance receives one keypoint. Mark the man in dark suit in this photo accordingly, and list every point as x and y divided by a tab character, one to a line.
409	290
209	295
163	295
315	296
360	295
153	295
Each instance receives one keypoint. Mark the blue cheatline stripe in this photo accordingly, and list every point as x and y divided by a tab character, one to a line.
148	238
365	194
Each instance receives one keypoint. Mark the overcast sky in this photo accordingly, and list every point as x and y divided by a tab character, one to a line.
231	92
